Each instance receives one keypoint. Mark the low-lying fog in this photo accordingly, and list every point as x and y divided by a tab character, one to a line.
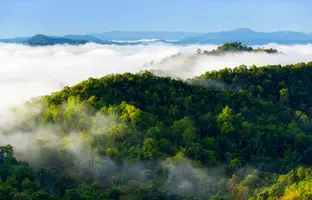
27	72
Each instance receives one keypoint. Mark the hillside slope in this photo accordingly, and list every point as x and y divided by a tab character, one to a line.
146	137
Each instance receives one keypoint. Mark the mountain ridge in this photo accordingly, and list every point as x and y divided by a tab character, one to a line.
43	40
250	37
244	35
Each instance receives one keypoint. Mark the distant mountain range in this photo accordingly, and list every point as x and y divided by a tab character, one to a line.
249	37
43	40
246	36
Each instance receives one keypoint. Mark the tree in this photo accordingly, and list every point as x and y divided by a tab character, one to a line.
284	95
224	120
21	196
150	149
7	192
183	130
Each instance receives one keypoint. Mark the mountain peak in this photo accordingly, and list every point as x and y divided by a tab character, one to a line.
39	36
42	40
242	30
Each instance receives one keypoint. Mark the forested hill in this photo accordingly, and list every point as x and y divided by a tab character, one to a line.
43	40
289	85
235	47
227	134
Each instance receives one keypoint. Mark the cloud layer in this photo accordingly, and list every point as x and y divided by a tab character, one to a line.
26	72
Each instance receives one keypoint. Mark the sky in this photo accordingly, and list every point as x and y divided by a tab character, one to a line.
60	17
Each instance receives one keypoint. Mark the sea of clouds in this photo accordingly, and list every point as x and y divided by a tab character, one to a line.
27	72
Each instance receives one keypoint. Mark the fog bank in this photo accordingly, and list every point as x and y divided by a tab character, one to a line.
26	72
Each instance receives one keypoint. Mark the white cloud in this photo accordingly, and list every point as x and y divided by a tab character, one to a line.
187	65
26	71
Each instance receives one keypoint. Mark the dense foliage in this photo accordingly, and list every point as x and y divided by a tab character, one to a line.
234	47
229	134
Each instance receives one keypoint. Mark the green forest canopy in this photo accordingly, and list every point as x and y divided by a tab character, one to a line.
254	128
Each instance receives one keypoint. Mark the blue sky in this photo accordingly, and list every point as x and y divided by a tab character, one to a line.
59	17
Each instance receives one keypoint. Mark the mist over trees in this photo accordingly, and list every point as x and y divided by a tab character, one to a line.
227	134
